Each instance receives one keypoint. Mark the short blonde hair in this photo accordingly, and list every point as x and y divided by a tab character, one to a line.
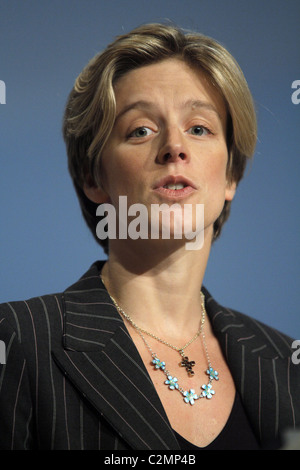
91	108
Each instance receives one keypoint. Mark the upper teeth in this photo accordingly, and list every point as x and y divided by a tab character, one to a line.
174	186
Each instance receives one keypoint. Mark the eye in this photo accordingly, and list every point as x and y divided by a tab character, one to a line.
141	132
198	131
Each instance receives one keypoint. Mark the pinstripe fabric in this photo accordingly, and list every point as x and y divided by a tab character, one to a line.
73	378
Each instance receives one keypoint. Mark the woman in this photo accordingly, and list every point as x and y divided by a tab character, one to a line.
137	354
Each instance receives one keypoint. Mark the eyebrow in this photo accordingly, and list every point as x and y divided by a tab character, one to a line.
141	104
201	104
148	105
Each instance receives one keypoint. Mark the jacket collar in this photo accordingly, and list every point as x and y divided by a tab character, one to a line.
229	325
87	305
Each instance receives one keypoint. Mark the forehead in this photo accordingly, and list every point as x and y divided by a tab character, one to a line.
171	82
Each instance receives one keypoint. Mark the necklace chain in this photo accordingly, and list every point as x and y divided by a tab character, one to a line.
189	396
141	330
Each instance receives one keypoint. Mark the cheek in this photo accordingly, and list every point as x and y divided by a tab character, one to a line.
216	173
121	174
218	177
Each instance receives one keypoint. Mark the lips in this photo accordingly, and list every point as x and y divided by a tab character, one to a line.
174	186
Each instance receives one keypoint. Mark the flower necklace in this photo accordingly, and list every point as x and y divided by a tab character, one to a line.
189	396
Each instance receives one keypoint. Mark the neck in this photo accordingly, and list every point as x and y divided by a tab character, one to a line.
160	288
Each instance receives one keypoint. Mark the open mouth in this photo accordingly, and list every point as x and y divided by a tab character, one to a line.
174	186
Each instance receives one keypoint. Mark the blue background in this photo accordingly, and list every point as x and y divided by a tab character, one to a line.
45	245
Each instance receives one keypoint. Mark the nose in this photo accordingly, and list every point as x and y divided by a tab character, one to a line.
173	148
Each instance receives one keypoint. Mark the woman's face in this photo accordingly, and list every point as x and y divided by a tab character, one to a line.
168	143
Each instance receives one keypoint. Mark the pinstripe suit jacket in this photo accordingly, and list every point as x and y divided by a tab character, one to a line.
73	378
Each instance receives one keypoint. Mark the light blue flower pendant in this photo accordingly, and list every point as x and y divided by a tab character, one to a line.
213	374
159	364
208	392
190	397
172	382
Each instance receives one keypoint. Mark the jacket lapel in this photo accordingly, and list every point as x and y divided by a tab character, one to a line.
101	360
256	363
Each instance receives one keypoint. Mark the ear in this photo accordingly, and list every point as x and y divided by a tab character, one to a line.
94	193
230	190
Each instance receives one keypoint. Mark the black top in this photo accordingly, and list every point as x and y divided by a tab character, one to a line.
237	434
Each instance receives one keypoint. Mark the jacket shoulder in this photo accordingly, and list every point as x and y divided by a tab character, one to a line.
281	343
31	316
253	334
42	316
